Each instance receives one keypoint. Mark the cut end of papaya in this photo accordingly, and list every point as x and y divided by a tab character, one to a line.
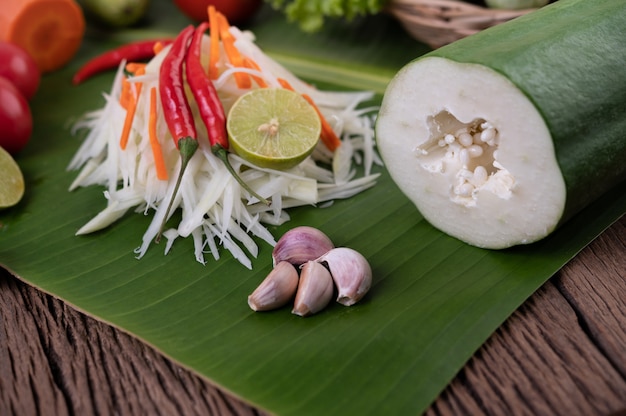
501	137
471	152
51	31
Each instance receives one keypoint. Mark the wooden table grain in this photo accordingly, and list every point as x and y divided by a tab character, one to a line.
563	352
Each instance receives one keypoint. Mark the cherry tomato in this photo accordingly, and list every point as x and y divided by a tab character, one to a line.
16	121
236	11
20	68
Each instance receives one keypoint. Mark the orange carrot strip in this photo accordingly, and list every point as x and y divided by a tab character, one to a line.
130	113
158	47
235	58
285	84
126	94
249	63
214	47
134	67
328	136
157	152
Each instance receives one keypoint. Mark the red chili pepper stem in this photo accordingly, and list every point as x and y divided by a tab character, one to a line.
222	154
187	147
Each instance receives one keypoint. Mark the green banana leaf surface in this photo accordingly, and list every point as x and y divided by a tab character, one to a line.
434	300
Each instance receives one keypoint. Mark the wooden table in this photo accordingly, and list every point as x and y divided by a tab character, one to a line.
562	353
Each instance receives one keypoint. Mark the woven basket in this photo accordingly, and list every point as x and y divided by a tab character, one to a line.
439	22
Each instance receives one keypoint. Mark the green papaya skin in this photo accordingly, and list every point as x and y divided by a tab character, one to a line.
569	58
500	137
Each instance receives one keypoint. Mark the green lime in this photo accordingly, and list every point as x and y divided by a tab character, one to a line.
273	128
11	180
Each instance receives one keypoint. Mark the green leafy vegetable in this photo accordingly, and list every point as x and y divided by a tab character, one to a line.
310	14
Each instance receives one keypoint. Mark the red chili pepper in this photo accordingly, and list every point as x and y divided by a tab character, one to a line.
134	51
209	105
176	109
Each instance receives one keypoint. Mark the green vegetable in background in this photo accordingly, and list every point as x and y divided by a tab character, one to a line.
310	14
116	13
515	4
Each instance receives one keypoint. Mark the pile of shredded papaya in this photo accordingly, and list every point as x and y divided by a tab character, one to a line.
160	145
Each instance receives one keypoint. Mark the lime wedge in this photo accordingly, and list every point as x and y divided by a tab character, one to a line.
273	128
11	180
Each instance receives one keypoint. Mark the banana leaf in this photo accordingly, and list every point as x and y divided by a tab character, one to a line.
434	300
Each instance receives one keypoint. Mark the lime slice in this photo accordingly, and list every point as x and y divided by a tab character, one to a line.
273	128
11	180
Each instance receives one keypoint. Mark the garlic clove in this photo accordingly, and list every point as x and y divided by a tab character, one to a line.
278	288
351	273
301	244
315	289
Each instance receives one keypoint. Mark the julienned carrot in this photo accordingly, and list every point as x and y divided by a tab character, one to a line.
158	47
249	63
133	67
219	30
214	47
285	84
50	31
130	111
328	136
126	93
228	41
157	152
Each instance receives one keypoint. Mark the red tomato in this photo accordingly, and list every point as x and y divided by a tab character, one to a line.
16	121
20	68
236	11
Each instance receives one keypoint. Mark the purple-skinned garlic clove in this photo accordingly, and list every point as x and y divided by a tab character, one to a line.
315	290
351	273
301	244
278	288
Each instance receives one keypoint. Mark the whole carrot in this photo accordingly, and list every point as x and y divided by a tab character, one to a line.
50	31
209	105
131	52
